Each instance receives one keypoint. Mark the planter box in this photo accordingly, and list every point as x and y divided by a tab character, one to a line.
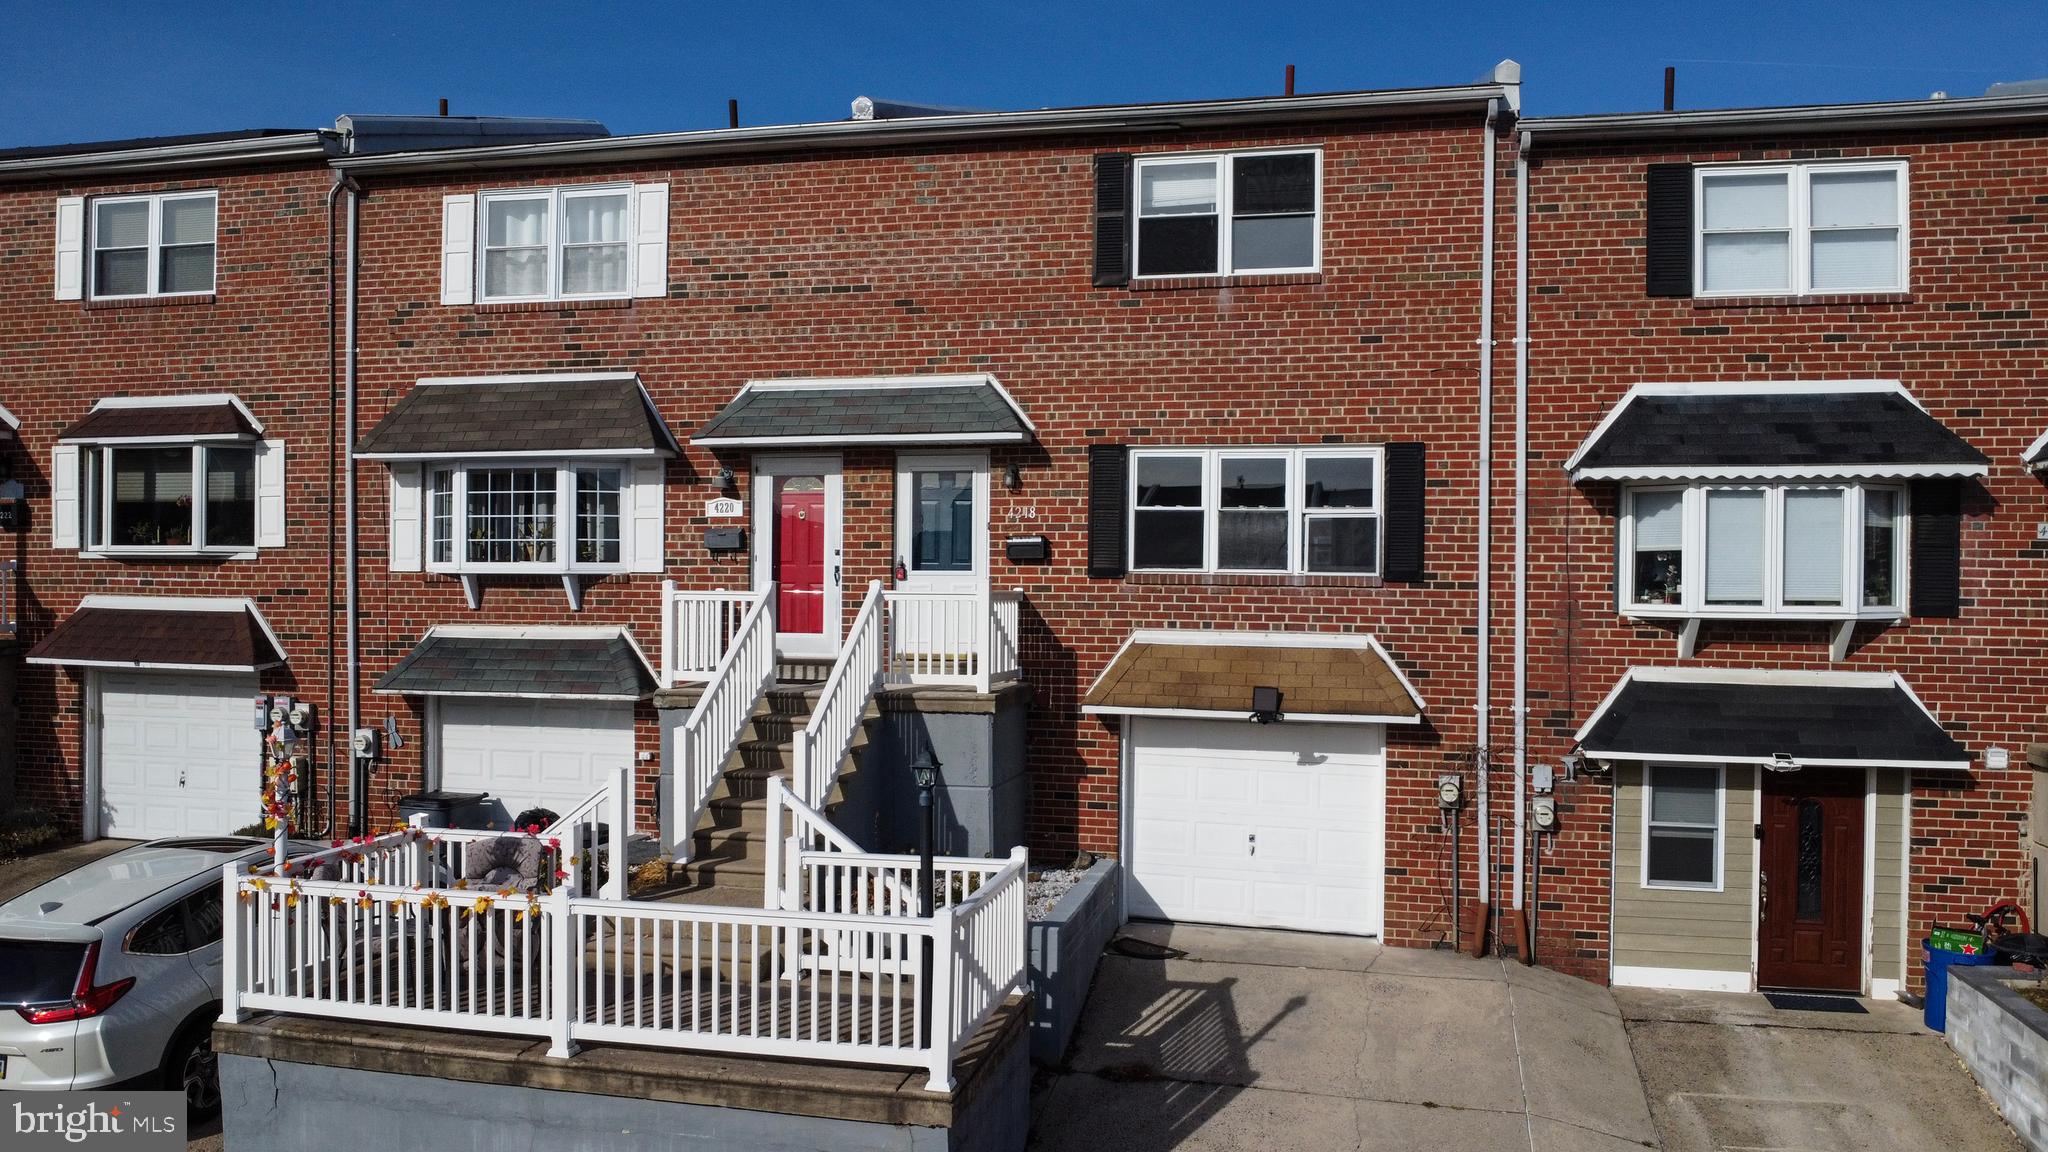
2003	1040
1064	948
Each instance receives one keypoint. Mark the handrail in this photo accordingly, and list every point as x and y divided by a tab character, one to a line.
968	638
707	738
818	748
697	629
810	831
615	797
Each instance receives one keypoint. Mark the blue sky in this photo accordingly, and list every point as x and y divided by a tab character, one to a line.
103	70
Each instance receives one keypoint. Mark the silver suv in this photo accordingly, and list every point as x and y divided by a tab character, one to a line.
110	974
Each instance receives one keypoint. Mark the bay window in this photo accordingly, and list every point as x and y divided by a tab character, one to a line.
1800	229
1229	213
503	518
555	243
1820	550
1268	510
168	498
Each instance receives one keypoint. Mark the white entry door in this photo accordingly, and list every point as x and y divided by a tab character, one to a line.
531	753
179	754
941	549
1263	825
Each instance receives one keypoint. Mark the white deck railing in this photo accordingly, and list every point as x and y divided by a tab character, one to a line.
707	738
697	629
819	746
967	638
834	987
605	816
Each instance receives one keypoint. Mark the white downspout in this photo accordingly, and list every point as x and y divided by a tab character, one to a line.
359	799
1521	506
1483	558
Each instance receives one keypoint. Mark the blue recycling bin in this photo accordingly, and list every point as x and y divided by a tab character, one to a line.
1938	962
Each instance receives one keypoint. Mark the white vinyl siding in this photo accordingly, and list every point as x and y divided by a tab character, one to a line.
1697	929
1801	229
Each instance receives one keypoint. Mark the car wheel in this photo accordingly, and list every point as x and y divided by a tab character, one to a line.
191	1067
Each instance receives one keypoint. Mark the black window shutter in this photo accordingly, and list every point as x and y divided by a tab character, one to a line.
1108	497
1667	236
1112	220
1404	525
1937	567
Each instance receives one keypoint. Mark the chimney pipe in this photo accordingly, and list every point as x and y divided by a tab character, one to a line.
1670	88
732	113
444	105
1290	79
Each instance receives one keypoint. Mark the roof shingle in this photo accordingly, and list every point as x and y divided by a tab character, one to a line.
1314	679
228	639
500	417
1774	430
872	413
121	422
1751	719
531	664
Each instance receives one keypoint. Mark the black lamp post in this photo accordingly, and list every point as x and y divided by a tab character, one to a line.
924	767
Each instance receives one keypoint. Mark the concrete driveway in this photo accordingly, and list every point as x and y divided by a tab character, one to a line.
1729	1071
1272	1040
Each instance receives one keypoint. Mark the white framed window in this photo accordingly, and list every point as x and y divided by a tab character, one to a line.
555	243
1229	213
168	498
1804	550
1801	229
154	245
1256	510
524	517
1684	816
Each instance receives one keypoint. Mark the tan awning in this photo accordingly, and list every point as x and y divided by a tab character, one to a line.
1321	676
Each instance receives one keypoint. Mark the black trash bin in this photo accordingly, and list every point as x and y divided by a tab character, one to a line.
447	809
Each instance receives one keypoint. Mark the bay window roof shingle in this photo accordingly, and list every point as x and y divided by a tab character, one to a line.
1728	431
210	417
224	635
540	662
1739	716
891	410
541	415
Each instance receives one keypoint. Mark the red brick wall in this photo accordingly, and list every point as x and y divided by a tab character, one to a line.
1966	341
978	259
262	336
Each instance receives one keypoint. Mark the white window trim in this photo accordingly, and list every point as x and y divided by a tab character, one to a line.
1297	514
1693	552
565	562
1720	831
1798	211
154	249
1225	202
553	242
89	482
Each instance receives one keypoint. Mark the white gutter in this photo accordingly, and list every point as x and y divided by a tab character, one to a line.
1483	662
1521	506
1894	114
989	125
254	150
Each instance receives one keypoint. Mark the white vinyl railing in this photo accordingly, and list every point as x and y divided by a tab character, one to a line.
707	738
819	746
870	884
9	621
967	638
605	817
697	629
804	985
808	831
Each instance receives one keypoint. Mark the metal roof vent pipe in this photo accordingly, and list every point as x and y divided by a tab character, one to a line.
870	108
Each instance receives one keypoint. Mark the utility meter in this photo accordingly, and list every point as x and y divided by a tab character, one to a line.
280	709
1543	813
301	715
262	713
1450	791
365	743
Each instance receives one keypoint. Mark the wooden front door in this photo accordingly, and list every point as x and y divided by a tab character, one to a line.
1811	895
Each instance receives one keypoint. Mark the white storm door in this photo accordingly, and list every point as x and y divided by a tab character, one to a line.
942	555
1262	825
178	754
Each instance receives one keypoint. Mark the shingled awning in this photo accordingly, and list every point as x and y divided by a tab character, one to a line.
1321	676
171	633
1763	431
1718	716
538	663
536	415
2036	455
889	410
208	417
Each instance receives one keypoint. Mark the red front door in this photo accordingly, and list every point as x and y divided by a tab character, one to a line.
1812	884
800	554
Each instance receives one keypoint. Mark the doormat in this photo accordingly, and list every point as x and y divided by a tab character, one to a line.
1808	1002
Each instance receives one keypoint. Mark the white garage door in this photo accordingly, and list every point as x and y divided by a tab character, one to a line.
1265	825
532	753
179	754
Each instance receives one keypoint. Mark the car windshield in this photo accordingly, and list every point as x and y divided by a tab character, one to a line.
39	972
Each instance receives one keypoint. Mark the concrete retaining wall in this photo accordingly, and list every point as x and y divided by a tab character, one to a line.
2003	1040
1064	948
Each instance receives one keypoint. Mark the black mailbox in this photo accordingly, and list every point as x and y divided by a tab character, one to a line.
1026	549
13	515
725	539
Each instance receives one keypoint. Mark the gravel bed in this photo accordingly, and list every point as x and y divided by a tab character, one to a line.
1045	889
